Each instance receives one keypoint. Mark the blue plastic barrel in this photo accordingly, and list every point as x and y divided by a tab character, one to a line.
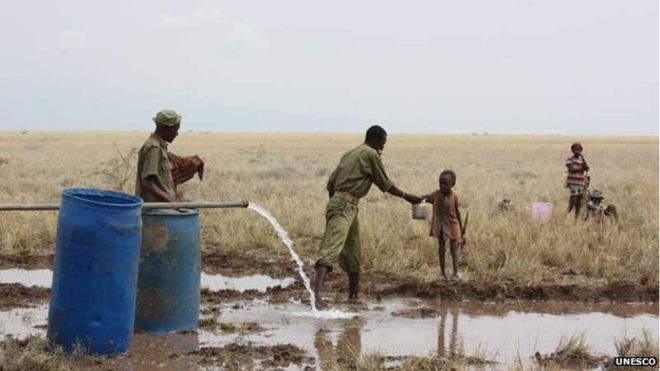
170	272
92	302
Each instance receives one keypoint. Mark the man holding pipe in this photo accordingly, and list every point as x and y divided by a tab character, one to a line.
351	180
159	171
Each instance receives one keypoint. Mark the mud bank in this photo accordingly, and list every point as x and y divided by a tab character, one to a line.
502	291
377	285
26	261
13	295
214	263
240	355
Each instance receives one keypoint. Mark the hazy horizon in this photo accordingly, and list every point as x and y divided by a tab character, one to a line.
360	133
507	67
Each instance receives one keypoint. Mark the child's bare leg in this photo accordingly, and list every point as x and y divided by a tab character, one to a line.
571	203
441	254
578	206
453	249
575	203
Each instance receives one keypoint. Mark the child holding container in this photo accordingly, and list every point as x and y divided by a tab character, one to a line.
446	222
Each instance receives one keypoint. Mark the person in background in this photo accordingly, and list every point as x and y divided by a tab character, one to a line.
348	183
597	211
594	208
159	171
577	179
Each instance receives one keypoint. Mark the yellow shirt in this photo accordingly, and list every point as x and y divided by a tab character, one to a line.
153	161
357	170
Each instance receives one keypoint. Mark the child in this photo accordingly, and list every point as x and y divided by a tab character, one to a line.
576	179
597	210
446	220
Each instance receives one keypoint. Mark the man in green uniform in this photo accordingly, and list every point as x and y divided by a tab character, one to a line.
351	180
157	177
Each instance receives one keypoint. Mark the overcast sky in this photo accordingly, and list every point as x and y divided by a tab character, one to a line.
505	66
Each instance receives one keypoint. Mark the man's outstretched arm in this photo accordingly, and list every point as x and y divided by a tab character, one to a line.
406	196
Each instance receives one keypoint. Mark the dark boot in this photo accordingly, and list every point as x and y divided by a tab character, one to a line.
353	286
321	272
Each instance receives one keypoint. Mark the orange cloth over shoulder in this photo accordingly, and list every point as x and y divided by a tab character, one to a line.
184	168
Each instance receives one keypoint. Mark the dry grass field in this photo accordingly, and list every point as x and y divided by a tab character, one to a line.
286	173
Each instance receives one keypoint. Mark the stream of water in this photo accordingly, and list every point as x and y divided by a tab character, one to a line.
284	236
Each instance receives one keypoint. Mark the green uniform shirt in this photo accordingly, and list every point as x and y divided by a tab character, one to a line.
153	161
357	169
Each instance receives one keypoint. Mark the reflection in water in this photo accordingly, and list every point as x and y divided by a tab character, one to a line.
508	331
26	277
348	348
24	322
511	329
259	282
443	350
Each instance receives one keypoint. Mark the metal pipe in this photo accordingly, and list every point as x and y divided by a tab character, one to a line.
195	205
146	205
28	207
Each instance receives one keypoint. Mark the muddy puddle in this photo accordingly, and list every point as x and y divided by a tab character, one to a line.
258	282
27	277
213	282
24	322
400	327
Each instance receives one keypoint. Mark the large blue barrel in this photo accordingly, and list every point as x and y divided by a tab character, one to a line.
92	301
170	272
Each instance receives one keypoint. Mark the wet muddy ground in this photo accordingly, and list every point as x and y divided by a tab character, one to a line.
378	285
259	318
14	295
260	334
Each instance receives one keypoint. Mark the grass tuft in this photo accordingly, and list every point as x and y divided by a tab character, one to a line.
32	354
571	352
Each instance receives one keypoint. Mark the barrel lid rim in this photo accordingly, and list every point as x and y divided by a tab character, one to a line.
79	193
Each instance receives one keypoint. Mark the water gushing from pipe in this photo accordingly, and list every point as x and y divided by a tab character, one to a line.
284	236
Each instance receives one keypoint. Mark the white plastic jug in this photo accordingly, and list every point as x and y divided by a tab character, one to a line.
419	211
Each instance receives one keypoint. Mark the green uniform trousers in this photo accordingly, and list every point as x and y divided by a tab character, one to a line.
341	240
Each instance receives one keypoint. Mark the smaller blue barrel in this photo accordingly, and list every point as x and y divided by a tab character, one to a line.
170	272
92	303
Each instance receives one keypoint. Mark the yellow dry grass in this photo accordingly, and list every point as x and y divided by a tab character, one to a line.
286	173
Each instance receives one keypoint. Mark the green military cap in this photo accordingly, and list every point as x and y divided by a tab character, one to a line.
597	194
167	117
